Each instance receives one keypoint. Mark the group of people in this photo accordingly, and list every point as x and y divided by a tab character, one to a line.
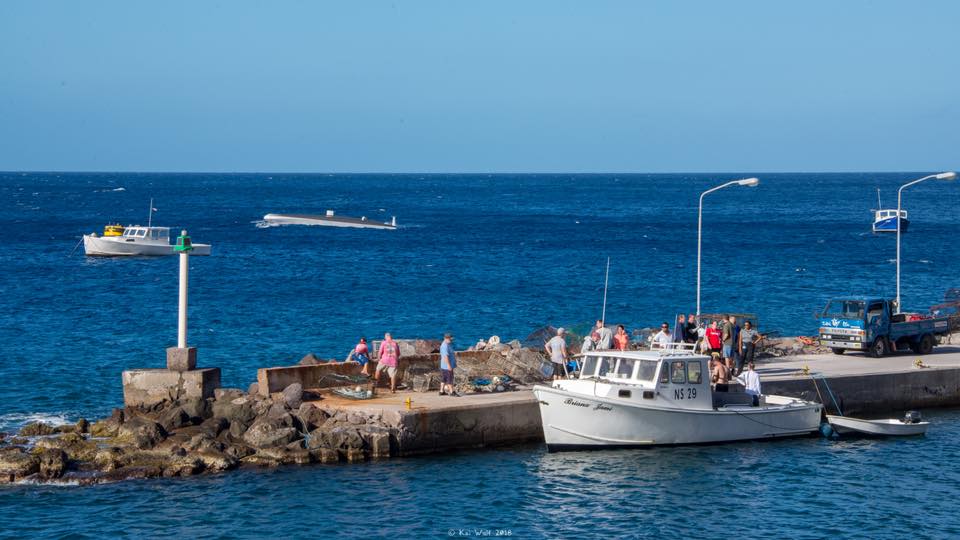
388	356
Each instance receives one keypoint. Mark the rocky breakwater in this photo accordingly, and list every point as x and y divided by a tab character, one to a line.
184	438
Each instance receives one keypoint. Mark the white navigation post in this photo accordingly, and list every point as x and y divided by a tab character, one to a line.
750	182
182	357
940	176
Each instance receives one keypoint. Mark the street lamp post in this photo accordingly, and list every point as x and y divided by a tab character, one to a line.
750	182
940	176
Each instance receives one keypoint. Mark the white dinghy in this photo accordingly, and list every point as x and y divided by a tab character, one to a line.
884	427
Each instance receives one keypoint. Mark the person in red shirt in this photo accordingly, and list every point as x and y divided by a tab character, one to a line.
621	339
714	338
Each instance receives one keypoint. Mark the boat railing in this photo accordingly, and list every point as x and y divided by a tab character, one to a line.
673	348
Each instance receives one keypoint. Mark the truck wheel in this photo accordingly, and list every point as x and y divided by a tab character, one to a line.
926	345
838	350
879	348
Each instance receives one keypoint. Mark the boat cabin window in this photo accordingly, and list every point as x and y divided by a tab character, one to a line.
589	368
141	233
606	366
625	368
154	234
647	371
694	372
665	373
677	375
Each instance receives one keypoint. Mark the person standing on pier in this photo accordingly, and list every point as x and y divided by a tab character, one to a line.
713	339
448	362
680	330
361	354
748	344
387	361
557	349
691	330
728	341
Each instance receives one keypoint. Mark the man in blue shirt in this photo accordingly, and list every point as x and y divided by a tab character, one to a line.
448	362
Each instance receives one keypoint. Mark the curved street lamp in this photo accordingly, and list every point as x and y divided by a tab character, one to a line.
749	182
940	176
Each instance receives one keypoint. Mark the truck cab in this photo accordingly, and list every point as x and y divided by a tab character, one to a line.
871	325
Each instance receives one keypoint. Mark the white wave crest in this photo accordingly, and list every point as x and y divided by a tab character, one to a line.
14	421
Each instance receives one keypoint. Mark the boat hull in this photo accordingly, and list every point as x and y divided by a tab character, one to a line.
118	246
890	225
881	428
325	221
572	421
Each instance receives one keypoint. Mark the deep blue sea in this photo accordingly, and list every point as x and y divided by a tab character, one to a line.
476	255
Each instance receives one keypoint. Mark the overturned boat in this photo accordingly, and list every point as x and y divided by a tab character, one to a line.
660	397
910	425
328	220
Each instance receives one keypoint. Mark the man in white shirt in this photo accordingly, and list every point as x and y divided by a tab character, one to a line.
605	336
750	380
663	338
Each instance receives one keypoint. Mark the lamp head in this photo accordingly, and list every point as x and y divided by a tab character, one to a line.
946	176
751	182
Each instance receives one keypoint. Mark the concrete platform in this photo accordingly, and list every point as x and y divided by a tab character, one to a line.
435	423
869	386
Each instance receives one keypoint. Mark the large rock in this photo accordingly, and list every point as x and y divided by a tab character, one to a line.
141	432
217	461
239	410
198	409
52	463
16	464
174	418
34	429
293	395
309	359
183	466
341	438
75	445
105	428
214	426
312	416
266	433
227	394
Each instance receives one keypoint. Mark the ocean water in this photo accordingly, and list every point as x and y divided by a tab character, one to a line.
476	255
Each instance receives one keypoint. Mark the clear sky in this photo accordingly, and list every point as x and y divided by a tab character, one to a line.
482	86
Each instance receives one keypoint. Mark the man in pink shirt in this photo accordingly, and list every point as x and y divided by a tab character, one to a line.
387	361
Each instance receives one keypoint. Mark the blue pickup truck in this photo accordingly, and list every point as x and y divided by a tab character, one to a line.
870	325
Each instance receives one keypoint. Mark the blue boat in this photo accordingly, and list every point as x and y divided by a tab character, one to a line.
886	220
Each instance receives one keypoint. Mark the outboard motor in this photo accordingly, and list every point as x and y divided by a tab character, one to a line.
912	417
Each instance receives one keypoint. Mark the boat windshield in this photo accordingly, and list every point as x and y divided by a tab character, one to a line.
844	309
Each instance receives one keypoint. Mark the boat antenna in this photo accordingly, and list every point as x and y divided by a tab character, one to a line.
606	279
150	215
879	204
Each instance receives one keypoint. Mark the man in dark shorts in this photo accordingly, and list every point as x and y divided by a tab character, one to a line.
448	362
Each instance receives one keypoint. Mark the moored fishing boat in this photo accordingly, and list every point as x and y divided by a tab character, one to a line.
660	397
136	241
885	220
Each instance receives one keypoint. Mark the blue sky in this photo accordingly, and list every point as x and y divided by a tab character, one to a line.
479	86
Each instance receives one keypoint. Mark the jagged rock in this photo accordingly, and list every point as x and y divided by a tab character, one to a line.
253	389
236	411
227	394
515	344
141	432
237	430
52	463
197	409
309	359
341	438
214	426
174	418
238	451
75	445
312	416
204	443
107	459
34	429
293	395
217	461
188	465
105	428
356	418
377	440
16	464
65	428
325	455
265	433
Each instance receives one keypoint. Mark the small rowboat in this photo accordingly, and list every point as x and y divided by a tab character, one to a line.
884	427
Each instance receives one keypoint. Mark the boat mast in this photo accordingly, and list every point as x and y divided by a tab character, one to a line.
606	279
150	214
879	204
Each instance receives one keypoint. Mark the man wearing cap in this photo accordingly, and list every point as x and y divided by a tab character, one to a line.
557	349
387	361
448	362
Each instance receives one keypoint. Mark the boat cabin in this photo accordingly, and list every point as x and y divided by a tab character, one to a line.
672	377
136	233
889	214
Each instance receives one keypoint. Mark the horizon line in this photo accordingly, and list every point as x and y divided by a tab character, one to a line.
438	173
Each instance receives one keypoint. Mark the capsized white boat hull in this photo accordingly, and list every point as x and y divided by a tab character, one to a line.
325	221
119	246
574	421
888	427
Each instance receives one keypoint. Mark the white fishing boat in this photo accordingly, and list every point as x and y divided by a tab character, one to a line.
660	397
885	220
135	240
328	220
884	427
